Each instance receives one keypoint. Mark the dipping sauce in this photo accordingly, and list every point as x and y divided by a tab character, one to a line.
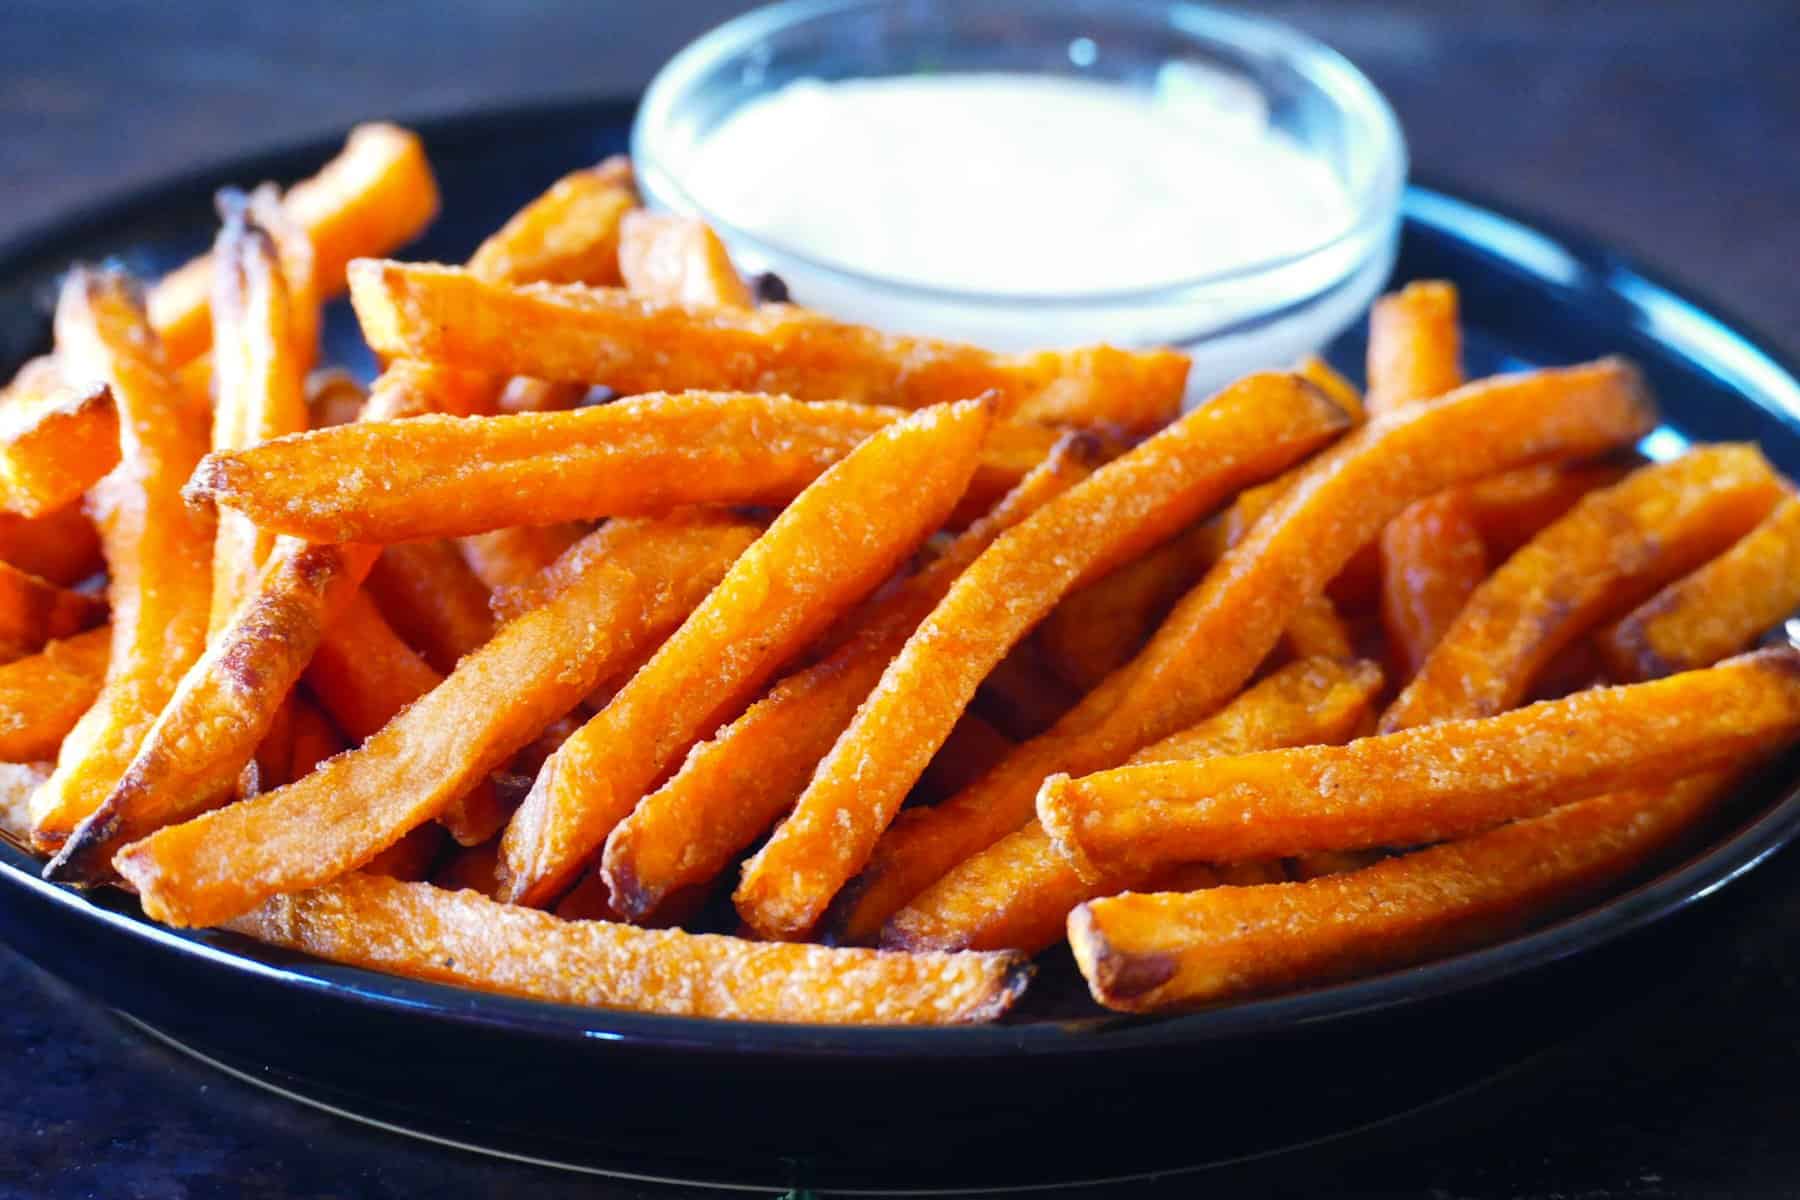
1021	185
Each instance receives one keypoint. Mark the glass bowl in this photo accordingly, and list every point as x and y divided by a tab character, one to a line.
1263	314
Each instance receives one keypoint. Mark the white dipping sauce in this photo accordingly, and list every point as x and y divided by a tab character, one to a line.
1023	185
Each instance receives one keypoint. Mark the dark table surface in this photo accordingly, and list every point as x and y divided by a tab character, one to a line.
1671	128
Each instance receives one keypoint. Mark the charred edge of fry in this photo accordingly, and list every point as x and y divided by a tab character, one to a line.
1110	974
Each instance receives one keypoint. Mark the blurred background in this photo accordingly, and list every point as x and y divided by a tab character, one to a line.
1666	126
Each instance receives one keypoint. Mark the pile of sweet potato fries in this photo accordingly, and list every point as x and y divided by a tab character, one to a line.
620	601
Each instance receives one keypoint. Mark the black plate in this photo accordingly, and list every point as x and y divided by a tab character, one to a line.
1058	1093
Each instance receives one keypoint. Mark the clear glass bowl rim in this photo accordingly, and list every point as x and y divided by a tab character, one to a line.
1377	203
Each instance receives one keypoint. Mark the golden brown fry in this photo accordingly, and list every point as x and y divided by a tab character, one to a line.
1317	631
258	381
1512	508
17	782
1425	784
432	599
373	198
223	706
158	550
1227	625
824	553
1719	609
220	865
61	546
1247	432
1432	560
732	788
1415	346
462	938
510	557
1320	374
570	234
1144	953
294	248
1097	629
42	696
1018	892
444	477
1606	554
57	439
678	260
34	612
609	337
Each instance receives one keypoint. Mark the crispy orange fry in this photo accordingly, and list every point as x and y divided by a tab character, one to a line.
522	394
678	260
258	381
443	477
314	739
463	938
1018	892
1097	629
294	249
1320	374
56	440
158	550
1415	346
1512	508
61	546
570	234
610	337
1719	609
220	865
824	553
223	706
1144	953
733	787
1605	555
34	611
373	198
1247	432
1432	560
1227	625
415	389
17	782
1426	784
432	599
42	696
509	557
1317	631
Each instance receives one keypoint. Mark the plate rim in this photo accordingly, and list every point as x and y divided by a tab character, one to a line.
1651	901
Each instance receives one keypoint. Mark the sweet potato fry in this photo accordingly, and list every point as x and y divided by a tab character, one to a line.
1317	631
1415	346
1227	625
1432	560
158	550
1719	609
314	739
1512	508
365	675
34	611
294	249
223	706
1144	953
432	599
61	546
522	394
224	863
678	260
509	557
373	198
415	389
333	397
570	234
17	782
1606	554
442	477
258	382
57	439
1097	629
1245	433
462	938
42	696
1017	894
1429	783
733	787
1320	374
824	553
610	337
